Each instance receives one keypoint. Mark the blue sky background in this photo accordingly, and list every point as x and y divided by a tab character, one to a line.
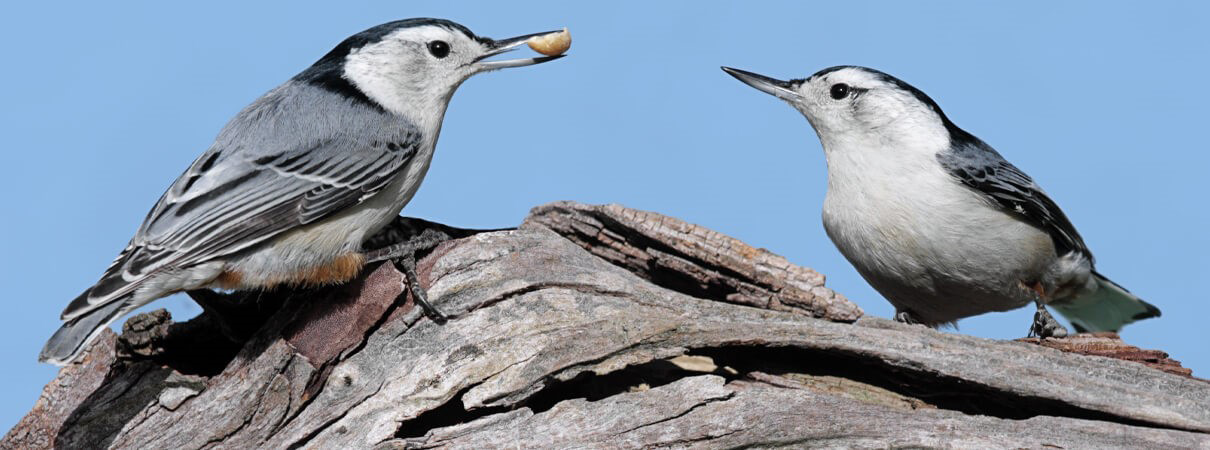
1103	103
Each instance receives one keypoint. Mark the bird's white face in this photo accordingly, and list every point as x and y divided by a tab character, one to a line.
854	101
852	106
416	69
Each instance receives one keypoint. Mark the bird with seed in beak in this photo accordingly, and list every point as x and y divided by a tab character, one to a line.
297	180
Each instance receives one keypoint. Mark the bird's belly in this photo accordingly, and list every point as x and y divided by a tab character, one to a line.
943	256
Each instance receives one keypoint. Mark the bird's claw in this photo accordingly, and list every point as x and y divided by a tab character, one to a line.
403	256
905	316
1045	325
407	265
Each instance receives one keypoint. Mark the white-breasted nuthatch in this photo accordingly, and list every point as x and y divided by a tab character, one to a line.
935	219
299	179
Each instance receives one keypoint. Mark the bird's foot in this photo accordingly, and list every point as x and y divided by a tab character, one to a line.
403	256
905	316
407	265
421	238
1045	325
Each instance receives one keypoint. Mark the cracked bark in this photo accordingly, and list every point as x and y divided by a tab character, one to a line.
601	326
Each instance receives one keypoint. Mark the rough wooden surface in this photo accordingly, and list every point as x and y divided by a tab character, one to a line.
1109	344
692	259
553	344
708	411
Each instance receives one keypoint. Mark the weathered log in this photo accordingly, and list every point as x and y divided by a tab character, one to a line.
707	411
1109	344
692	259
582	328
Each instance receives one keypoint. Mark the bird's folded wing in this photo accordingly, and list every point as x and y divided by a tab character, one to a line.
981	168
226	203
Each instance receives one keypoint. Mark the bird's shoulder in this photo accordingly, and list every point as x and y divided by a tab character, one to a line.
980	167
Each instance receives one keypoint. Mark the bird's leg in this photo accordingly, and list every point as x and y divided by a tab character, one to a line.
422	237
407	265
404	256
1044	325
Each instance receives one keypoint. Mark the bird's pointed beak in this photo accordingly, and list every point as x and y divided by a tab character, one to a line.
510	44
772	86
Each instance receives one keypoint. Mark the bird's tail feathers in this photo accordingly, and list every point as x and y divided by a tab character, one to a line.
1107	309
69	342
110	288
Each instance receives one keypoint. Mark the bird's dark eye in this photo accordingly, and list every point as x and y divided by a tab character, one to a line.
439	48
840	90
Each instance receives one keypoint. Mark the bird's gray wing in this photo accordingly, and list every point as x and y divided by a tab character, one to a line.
980	167
234	197
248	203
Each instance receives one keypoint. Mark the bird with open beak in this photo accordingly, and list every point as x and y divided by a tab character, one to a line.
296	181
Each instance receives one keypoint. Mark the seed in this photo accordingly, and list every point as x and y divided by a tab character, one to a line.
553	44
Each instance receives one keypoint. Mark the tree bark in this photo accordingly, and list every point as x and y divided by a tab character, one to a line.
598	326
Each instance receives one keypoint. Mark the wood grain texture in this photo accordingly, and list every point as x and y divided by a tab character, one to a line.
1109	344
556	339
693	259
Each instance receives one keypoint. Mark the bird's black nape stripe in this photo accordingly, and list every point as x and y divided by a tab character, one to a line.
330	76
328	72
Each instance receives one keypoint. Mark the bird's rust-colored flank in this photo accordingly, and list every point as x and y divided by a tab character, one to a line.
1037	287
229	280
339	270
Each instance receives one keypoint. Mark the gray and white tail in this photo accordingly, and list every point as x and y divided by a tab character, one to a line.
73	337
1107	309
